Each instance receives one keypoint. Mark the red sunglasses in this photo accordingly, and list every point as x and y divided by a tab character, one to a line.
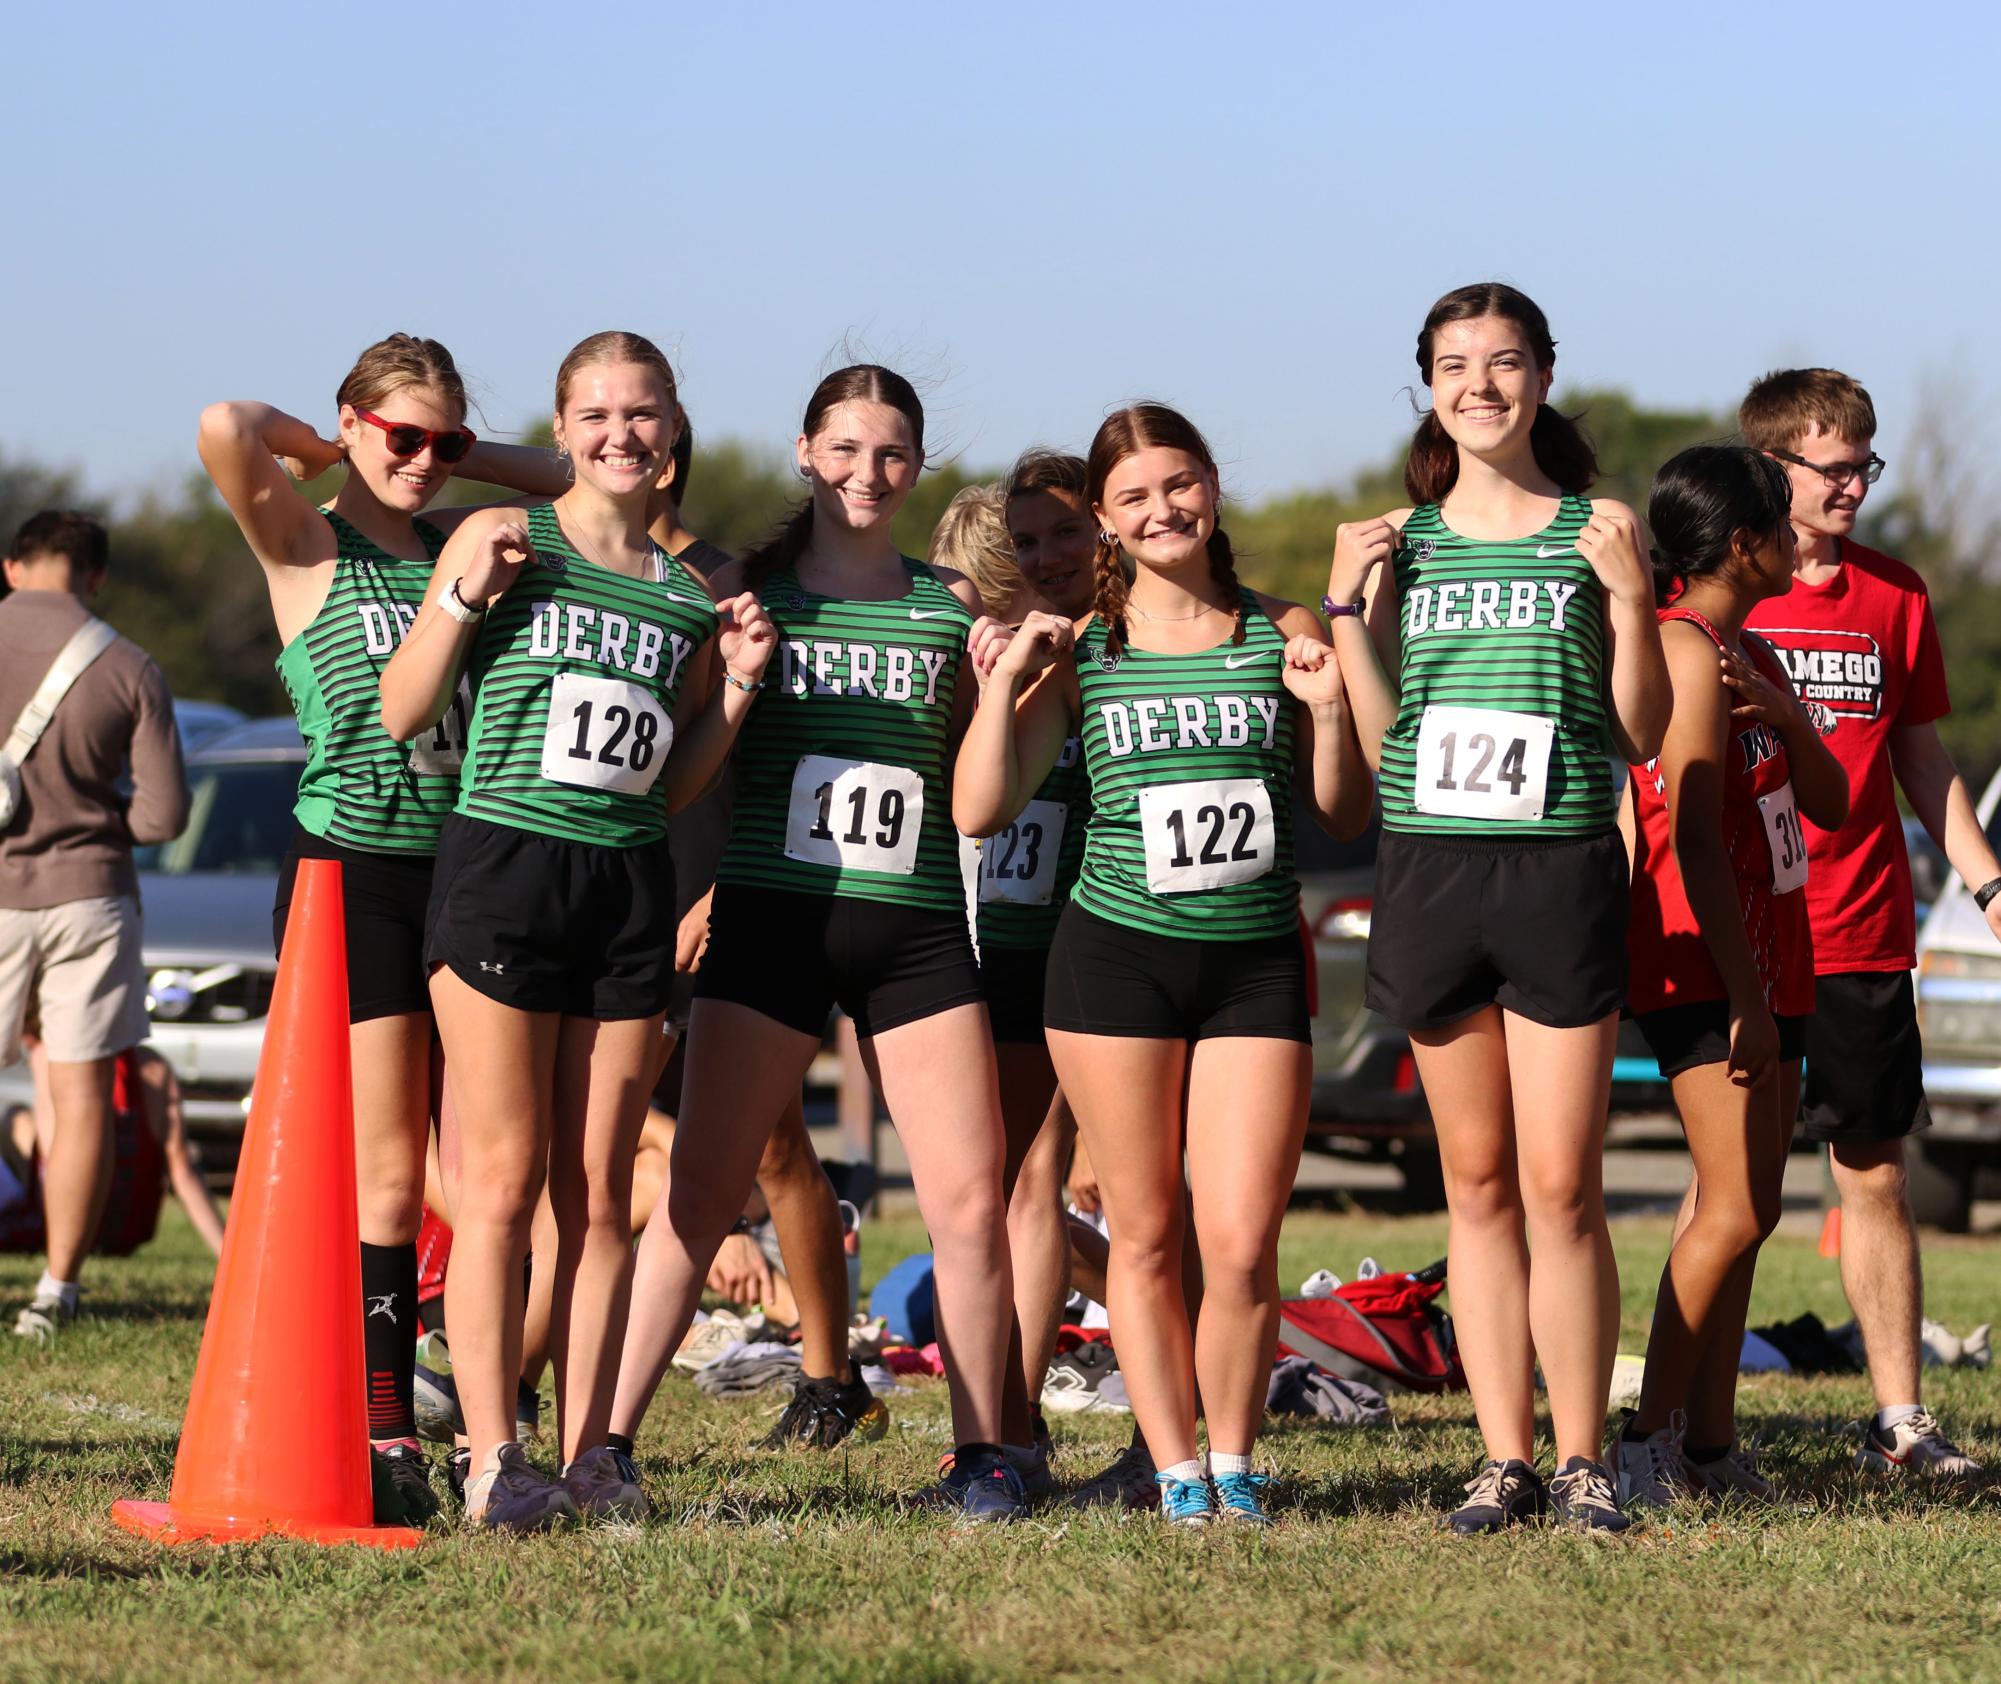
404	438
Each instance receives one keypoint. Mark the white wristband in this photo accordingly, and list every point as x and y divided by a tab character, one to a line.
458	608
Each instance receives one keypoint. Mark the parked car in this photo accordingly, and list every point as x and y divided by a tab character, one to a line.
1367	1100
207	897
1958	981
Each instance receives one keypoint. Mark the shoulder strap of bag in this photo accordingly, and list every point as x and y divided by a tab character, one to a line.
91	639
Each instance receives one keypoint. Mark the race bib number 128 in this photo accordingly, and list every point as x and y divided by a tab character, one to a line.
604	733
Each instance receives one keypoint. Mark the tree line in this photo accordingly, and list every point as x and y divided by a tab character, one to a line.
183	586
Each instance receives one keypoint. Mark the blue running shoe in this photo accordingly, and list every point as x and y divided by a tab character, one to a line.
993	1493
1186	1502
1240	1495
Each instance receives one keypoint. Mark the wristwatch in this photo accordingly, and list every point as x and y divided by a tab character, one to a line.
1339	610
1986	892
457	606
742	1225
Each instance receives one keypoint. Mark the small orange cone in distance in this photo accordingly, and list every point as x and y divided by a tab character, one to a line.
1830	1232
276	1435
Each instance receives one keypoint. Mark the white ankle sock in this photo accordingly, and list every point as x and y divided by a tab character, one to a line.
1189	1471
1888	1418
1221	1462
49	1287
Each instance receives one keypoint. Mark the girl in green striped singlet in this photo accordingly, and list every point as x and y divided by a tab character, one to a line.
345	582
840	884
1176	989
607	690
1506	649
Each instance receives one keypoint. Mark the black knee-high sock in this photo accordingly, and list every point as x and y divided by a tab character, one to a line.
389	1337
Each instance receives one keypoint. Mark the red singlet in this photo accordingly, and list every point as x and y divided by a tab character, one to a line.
1669	962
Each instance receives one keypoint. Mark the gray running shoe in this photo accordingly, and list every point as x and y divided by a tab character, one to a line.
1647	1471
1915	1445
1129	1482
1583	1497
603	1482
513	1495
1733	1474
42	1320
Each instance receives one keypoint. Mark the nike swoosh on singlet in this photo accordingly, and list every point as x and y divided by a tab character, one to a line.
1235	661
1544	551
929	613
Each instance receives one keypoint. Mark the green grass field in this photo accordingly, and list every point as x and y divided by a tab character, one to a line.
804	1567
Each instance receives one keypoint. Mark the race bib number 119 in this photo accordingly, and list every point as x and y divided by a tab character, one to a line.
854	814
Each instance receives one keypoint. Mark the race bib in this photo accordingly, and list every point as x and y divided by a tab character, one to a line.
1482	763
1206	835
604	733
1785	838
854	814
441	751
1018	864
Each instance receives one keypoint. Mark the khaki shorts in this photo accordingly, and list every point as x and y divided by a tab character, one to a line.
72	975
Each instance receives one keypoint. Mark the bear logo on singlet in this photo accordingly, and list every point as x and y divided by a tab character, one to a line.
1841	672
1423	550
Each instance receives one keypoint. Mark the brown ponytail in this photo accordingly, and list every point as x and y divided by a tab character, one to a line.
1223	569
1562	451
1110	601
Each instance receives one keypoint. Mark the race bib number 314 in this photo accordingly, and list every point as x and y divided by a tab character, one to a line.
1483	763
604	733
854	814
1787	840
1206	835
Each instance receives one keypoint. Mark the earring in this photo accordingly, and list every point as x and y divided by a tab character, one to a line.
1108	539
562	451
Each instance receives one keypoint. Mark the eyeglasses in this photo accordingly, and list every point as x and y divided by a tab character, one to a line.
1838	474
405	438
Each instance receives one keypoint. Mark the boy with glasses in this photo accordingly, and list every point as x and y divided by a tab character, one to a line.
1857	637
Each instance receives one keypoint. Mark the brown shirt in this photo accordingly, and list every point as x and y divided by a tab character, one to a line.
73	835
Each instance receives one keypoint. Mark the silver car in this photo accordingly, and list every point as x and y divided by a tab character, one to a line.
1958	983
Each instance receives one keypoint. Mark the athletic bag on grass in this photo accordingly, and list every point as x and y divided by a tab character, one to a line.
1384	1332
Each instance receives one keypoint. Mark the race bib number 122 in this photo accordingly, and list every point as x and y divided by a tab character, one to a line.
1206	835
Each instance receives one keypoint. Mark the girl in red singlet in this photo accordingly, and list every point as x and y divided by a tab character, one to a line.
1720	950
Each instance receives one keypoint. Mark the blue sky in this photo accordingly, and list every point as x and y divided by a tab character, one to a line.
1043	209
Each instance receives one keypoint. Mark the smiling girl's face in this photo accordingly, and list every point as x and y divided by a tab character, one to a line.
618	423
862	463
1485	384
1160	503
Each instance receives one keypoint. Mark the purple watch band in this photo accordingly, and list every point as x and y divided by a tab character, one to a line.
1339	610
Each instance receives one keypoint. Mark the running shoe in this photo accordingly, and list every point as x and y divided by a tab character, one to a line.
1031	1467
1582	1496
1915	1445
1647	1471
603	1483
436	1393
1186	1502
707	1340
1241	1497
458	1467
1733	1474
947	1494
1500	1494
992	1493
824	1413
1075	1383
513	1495
400	1480
1130	1482
42	1320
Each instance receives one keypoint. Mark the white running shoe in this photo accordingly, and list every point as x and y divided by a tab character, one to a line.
1646	1472
603	1483
42	1320
1733	1474
1915	1445
708	1339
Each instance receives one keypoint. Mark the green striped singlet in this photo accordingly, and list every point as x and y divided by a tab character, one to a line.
1501	728
361	788
1028	870
575	675
843	785
1190	762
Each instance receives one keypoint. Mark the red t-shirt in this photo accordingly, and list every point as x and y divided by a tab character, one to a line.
1864	654
1668	961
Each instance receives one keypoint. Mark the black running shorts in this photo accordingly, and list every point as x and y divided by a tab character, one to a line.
794	957
1107	979
1014	979
1864	1063
1462	923
545	925
383	897
1687	1037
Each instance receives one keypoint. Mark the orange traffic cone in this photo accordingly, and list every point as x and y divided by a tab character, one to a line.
1830	1232
276	1435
